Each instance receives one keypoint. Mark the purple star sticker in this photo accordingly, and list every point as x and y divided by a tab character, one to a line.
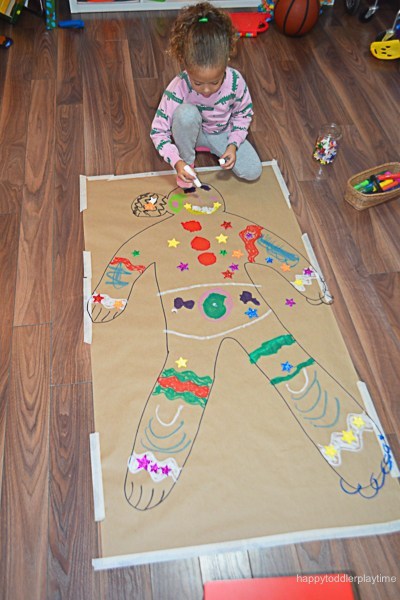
286	366
249	235
290	302
166	470
234	267
143	463
308	271
183	266
154	468
251	313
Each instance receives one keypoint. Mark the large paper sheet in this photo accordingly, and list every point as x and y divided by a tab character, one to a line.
226	403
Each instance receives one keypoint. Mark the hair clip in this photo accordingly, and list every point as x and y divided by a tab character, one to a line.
203	20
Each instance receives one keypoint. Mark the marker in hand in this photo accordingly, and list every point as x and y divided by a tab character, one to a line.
222	161
196	181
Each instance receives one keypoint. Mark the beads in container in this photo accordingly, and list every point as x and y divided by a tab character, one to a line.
326	144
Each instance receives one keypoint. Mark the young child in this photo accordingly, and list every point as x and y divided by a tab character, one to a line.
208	104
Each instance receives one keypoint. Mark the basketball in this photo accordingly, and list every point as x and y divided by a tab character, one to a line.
296	17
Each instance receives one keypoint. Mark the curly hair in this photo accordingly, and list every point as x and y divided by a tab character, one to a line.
202	36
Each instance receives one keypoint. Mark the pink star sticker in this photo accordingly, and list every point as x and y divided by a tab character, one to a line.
166	470
290	302
308	271
143	463
154	468
183	266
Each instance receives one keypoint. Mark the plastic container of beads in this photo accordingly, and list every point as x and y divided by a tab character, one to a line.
327	143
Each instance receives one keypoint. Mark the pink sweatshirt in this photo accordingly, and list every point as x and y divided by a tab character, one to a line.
230	109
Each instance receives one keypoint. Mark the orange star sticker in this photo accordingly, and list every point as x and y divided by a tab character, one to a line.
237	254
285	267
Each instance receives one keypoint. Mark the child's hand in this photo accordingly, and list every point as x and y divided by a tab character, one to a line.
229	156
182	174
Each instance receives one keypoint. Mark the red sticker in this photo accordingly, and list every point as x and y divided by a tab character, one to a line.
207	258
200	243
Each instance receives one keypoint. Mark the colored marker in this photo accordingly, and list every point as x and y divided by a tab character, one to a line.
196	180
222	161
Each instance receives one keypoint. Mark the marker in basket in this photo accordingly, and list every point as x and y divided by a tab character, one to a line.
196	180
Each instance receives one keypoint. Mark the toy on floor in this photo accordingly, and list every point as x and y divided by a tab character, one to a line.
387	44
250	24
296	17
5	42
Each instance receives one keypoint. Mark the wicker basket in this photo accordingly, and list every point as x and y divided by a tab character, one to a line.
359	200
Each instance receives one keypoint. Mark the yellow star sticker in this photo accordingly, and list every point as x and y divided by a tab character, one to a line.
298	282
285	267
173	243
217	205
330	450
221	238
237	253
181	362
358	422
348	436
187	205
118	304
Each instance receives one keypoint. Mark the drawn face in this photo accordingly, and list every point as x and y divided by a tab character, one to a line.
204	200
149	205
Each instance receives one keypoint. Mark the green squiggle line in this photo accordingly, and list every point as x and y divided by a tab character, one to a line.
271	347
299	367
187	376
186	396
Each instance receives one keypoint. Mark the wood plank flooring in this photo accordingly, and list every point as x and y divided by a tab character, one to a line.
82	101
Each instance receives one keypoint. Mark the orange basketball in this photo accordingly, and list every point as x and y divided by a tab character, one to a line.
296	17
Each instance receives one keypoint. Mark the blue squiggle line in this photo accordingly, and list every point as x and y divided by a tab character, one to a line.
169	449
336	418
279	253
375	484
323	412
163	437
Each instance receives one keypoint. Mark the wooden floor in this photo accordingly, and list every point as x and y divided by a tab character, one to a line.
77	102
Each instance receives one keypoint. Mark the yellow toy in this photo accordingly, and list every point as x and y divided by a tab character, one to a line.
387	44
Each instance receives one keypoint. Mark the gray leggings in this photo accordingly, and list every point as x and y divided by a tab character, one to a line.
188	134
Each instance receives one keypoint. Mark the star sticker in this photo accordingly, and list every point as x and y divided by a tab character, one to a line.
135	253
98	298
226	224
143	463
166	470
237	254
298	282
286	366
348	436
358	422
187	206
154	468
251	313
269	260
249	235
285	267
119	304
217	205
227	274
330	450
173	243
223	252
234	267
290	302
221	238
181	362
183	266
308	271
